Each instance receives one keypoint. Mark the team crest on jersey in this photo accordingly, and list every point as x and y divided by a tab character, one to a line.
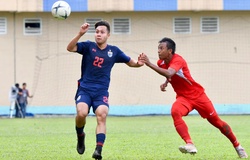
110	53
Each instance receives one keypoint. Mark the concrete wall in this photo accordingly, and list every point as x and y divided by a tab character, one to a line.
220	62
127	5
200	5
21	5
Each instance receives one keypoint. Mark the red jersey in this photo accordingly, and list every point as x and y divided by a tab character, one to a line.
182	82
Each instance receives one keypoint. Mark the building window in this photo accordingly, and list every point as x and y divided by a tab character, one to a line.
3	25
209	25
121	26
32	26
92	22
182	25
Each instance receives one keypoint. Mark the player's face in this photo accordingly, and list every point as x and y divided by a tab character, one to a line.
164	52
101	35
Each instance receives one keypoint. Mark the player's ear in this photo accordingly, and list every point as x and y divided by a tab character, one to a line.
170	50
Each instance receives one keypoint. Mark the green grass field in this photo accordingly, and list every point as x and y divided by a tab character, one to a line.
128	138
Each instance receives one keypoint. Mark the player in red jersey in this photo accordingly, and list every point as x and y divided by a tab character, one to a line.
189	96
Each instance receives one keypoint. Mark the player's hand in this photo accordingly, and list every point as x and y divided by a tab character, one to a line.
140	62
84	28
163	86
144	58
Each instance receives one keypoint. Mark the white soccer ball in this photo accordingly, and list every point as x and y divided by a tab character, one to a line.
61	10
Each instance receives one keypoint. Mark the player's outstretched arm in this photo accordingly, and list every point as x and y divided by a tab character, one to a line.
134	63
72	47
168	73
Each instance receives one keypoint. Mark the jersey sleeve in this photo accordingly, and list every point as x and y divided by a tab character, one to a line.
160	63
122	57
177	63
82	47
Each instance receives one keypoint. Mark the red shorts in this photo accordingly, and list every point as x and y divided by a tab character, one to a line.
202	105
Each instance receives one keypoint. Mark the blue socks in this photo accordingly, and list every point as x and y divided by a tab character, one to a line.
100	138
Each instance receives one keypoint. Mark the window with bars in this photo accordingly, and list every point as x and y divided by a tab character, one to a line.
209	25
32	26
121	25
92	22
182	25
3	25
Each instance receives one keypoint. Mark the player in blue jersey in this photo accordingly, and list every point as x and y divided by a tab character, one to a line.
98	59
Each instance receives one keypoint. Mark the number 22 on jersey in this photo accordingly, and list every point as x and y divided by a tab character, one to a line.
98	62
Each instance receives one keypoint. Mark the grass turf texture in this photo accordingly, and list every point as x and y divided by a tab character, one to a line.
128	138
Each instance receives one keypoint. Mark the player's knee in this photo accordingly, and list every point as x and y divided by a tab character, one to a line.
82	110
101	116
101	119
101	111
175	112
179	110
82	114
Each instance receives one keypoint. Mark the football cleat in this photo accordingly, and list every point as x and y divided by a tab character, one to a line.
80	144
188	148
97	155
241	152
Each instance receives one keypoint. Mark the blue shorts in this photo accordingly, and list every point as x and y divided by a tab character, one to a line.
92	99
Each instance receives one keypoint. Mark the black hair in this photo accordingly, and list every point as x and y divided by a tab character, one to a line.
24	83
17	85
169	42
103	23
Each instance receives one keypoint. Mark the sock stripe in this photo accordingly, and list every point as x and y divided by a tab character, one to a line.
99	144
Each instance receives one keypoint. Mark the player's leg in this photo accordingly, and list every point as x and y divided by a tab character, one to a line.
179	109
100	108
207	110
80	121
227	131
83	102
101	114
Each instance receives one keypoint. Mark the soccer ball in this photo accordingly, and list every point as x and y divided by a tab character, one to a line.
60	10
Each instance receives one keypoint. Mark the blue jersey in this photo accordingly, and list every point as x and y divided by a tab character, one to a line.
97	64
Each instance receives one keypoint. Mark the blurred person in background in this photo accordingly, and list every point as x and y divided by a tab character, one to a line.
23	99
13	98
18	109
